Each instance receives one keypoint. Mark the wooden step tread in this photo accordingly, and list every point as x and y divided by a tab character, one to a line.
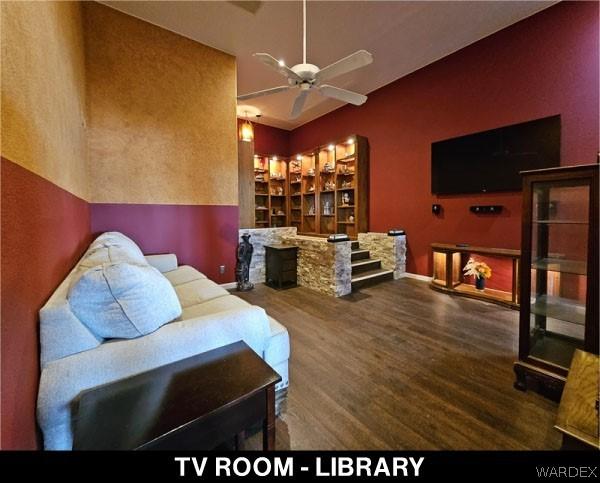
371	274
364	261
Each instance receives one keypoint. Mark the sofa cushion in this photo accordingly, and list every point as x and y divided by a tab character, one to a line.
227	302
123	300
198	291
111	238
183	274
110	254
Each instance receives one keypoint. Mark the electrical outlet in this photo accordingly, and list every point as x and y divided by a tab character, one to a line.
221	269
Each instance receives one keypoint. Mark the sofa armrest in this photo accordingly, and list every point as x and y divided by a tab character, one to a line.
163	263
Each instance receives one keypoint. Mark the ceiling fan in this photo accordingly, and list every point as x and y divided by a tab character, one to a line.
307	77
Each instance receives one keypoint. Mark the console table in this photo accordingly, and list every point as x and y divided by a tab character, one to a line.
192	404
448	276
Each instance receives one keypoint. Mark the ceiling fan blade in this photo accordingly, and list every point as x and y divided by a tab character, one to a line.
274	64
343	95
248	6
299	104
353	61
265	92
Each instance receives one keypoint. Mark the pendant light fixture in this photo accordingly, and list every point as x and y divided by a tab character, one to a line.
246	129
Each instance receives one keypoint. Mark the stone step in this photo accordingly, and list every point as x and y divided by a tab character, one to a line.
359	254
355	245
371	277
360	266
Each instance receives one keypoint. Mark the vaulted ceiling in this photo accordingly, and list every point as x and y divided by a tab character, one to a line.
403	36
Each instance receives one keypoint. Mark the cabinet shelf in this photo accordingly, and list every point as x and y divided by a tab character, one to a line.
560	265
489	293
560	222
559	308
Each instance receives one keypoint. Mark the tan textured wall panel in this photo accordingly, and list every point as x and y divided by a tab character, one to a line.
161	109
43	91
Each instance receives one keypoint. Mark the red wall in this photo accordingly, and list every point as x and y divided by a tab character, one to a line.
270	140
202	236
544	65
45	230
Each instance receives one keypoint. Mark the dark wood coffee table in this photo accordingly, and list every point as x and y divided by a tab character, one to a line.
193	404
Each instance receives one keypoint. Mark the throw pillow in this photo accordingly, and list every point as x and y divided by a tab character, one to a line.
123	300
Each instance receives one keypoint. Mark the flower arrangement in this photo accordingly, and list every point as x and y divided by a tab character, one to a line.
477	269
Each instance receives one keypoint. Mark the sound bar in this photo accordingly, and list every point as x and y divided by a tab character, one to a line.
486	209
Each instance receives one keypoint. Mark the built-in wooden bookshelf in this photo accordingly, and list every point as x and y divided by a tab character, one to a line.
270	191
321	191
334	188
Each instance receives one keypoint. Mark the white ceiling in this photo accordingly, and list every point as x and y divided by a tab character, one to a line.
403	36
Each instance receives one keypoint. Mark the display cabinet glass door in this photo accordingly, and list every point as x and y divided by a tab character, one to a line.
559	251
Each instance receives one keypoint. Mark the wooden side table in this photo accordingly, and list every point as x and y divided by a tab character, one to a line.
282	266
578	411
192	404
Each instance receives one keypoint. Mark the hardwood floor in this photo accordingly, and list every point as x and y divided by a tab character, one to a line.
400	366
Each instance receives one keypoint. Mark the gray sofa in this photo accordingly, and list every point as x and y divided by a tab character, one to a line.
74	359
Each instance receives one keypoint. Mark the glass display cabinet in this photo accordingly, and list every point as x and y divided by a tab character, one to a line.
559	279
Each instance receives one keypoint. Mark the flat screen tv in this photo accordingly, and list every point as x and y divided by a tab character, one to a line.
490	161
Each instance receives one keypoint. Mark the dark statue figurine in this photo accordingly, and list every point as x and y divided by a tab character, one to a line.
242	267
